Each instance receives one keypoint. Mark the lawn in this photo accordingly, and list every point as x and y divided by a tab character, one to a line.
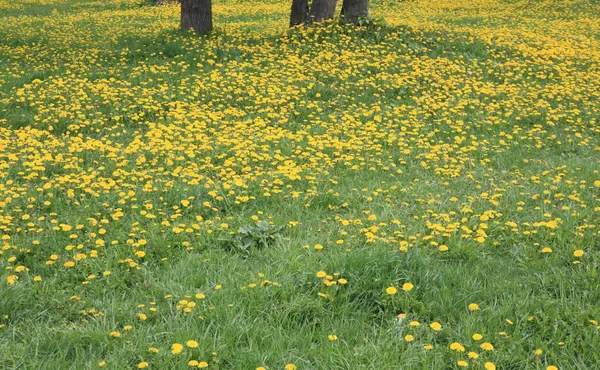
419	193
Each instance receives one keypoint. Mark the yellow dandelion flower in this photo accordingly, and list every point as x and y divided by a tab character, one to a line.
457	347
176	348
489	366
391	290
487	346
435	326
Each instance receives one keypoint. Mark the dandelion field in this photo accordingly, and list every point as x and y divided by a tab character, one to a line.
421	193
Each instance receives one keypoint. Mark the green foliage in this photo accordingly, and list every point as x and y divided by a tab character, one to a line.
251	237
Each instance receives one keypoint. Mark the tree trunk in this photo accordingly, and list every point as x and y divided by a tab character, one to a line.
322	10
299	12
196	15
355	10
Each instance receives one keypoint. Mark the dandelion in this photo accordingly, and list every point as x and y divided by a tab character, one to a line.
435	326
473	307
457	347
391	290
142	365
487	346
489	366
407	287
176	348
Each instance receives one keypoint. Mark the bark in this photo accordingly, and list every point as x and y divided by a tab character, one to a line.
299	13
322	10
355	10
196	15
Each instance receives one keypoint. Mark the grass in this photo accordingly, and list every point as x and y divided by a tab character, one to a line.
450	145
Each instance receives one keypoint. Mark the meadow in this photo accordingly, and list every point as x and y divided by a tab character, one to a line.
419	193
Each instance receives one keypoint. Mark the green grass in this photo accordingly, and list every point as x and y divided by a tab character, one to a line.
428	123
